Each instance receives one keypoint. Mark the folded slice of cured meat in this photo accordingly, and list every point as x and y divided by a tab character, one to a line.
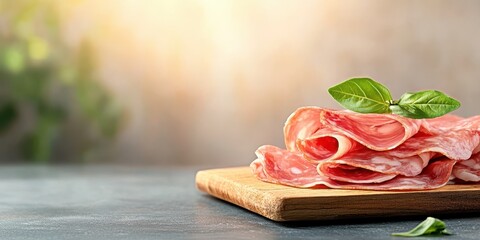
434	175
448	123
326	144
408	159
375	131
468	170
352	174
382	164
280	166
322	134
456	145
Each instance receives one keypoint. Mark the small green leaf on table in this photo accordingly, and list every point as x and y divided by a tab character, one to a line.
431	226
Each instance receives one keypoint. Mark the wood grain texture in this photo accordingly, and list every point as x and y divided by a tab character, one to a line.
283	203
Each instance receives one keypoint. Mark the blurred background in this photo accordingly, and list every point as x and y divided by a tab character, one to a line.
207	82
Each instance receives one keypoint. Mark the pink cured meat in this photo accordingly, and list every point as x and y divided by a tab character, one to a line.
322	134
408	159
304	132
472	123
283	167
454	144
448	123
341	149
375	131
440	125
304	124
468	170
434	175
280	166
381	162
326	144
352	174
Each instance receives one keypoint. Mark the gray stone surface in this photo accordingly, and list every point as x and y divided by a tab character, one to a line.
102	202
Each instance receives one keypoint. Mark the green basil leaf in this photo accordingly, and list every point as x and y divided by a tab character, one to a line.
362	95
429	226
424	104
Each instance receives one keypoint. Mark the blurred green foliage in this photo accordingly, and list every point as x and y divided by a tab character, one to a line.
48	86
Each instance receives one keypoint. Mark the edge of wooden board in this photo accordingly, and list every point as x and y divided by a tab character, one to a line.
253	199
283	203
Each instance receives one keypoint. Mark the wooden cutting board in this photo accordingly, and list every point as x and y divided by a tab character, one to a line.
283	203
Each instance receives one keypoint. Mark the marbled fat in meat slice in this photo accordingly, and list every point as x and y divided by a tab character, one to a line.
468	170
301	124
439	125
326	144
348	173
408	159
378	132
322	134
379	162
280	166
304	133
448	123
471	123
455	144
435	175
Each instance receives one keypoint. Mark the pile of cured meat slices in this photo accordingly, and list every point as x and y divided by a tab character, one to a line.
347	150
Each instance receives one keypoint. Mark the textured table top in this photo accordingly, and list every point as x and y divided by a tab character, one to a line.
104	202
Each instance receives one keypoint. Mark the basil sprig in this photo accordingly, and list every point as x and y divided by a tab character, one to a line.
428	227
365	95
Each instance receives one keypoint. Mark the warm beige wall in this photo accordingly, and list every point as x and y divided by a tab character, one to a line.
209	81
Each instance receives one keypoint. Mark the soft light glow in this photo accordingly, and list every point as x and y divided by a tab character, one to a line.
211	80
